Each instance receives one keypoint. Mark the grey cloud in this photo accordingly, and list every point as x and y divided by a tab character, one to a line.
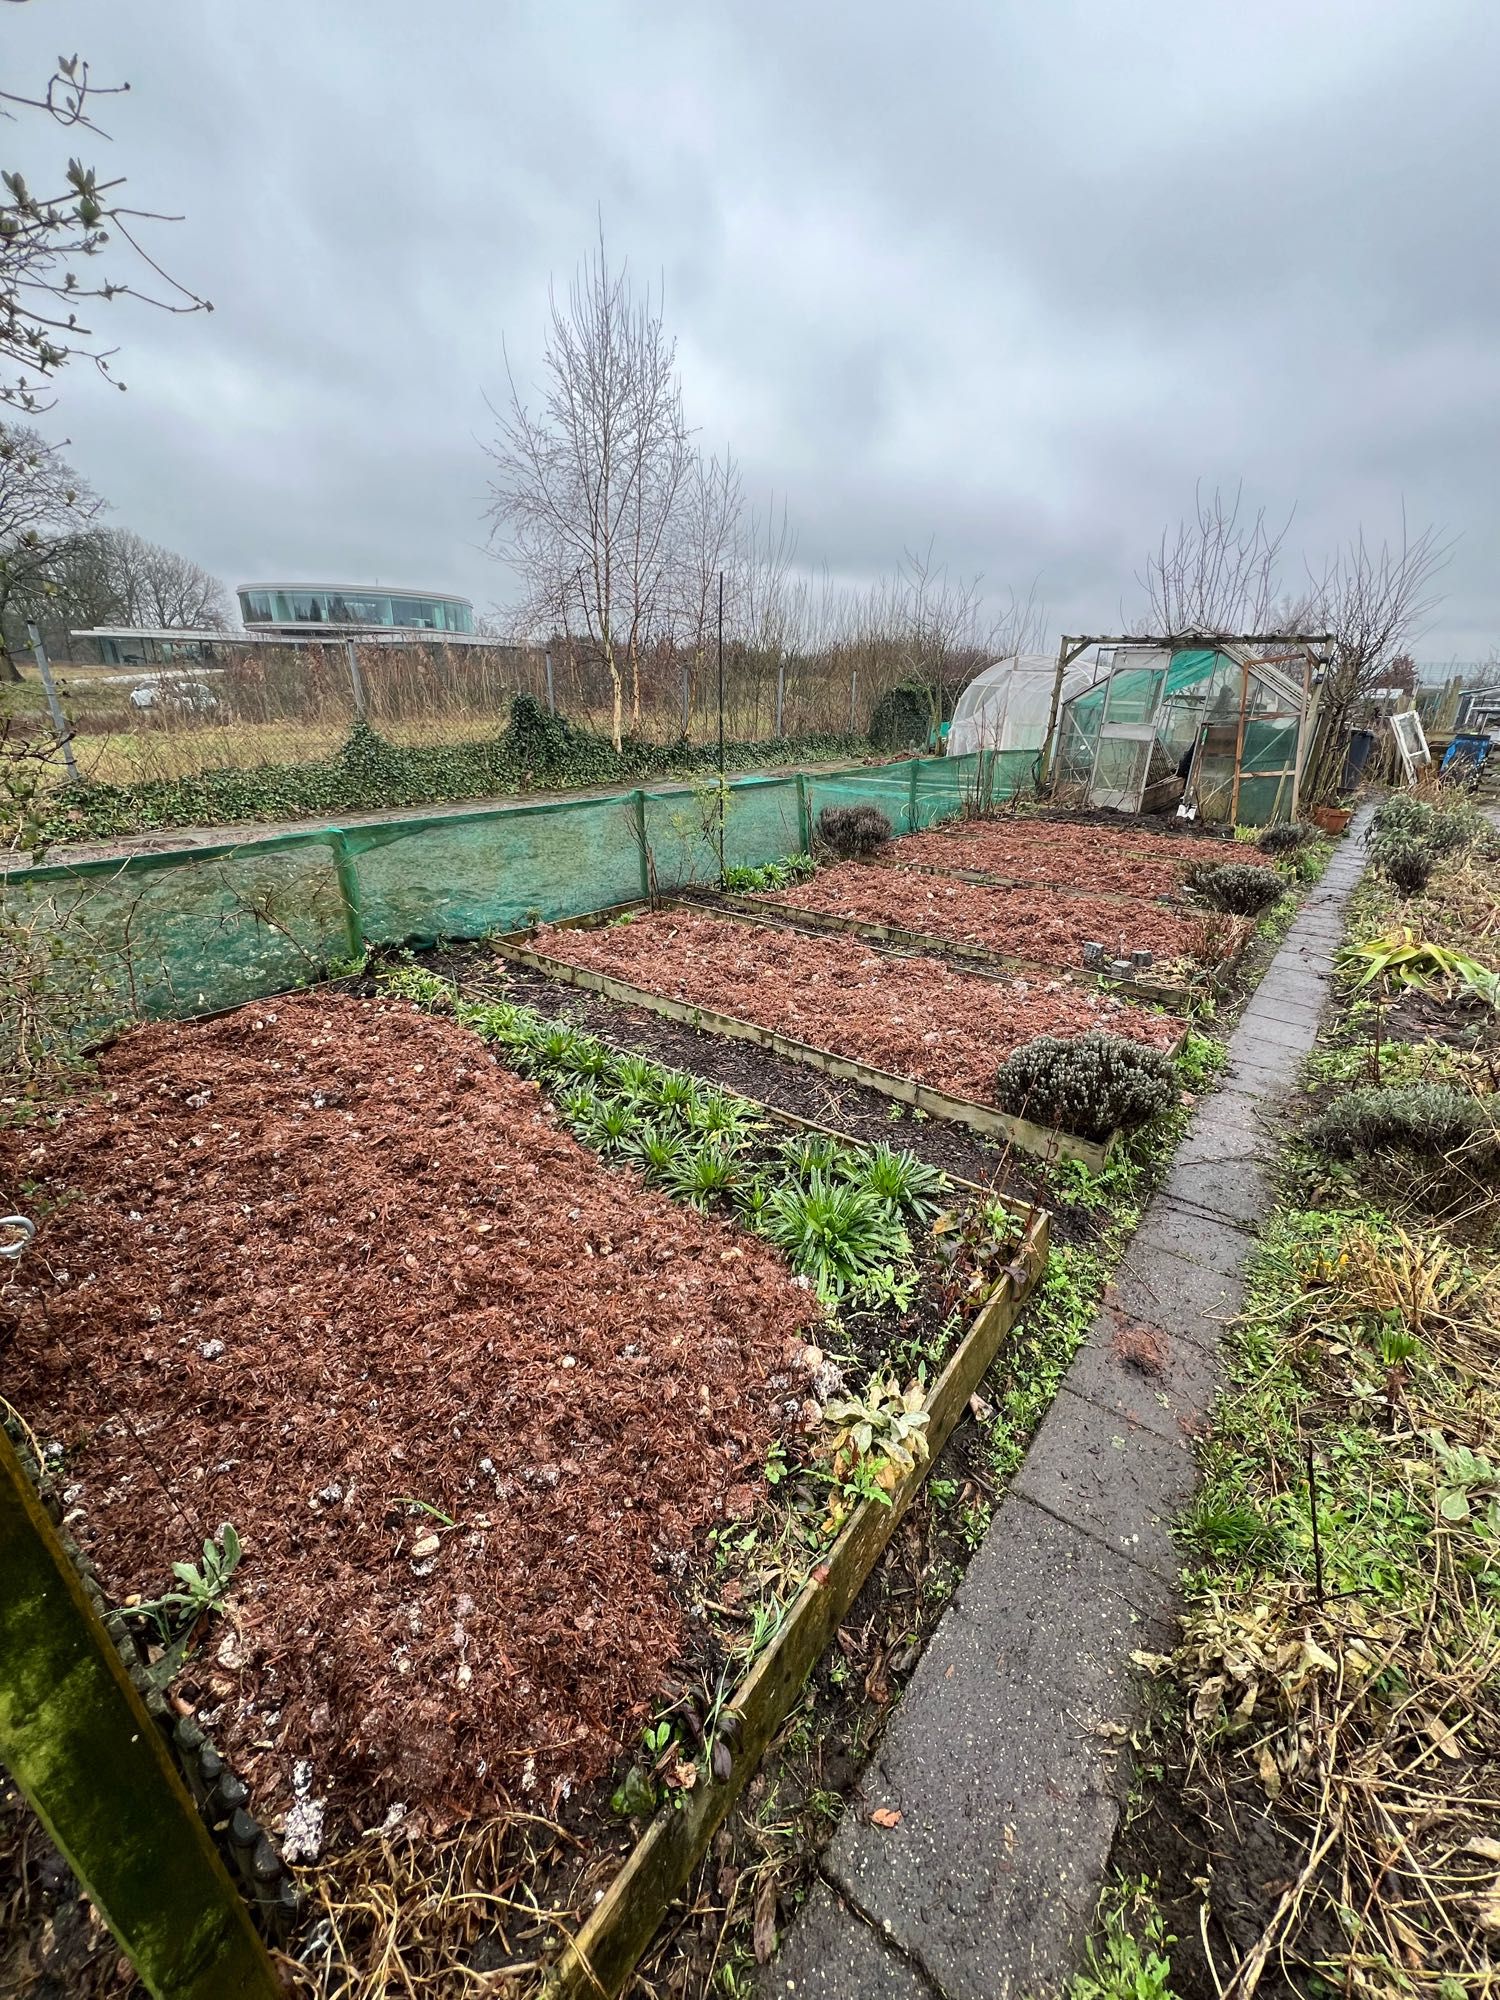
1010	277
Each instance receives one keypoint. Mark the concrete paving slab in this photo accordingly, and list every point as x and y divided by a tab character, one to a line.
1120	1483
995	1760
1196	1303
1146	1376
1268	1011
1233	1190
1191	1234
1008	1788
831	1954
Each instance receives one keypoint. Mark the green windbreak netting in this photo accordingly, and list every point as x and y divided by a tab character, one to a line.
171	934
495	871
200	929
762	822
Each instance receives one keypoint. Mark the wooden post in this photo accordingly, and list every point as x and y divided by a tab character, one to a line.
60	727
356	680
551	684
349	898
687	698
638	804
804	813
911	811
1067	653
1239	746
781	701
75	1735
1300	753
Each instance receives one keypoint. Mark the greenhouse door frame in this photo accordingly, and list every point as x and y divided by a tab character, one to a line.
1143	732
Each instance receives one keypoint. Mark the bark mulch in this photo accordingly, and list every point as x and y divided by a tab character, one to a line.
306	1264
915	1017
1022	923
1070	855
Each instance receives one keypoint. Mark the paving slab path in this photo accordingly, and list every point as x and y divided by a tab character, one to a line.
1004	1759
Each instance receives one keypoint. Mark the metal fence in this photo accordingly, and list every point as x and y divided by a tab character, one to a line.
262	704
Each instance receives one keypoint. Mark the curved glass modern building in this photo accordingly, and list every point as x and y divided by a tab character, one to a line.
298	610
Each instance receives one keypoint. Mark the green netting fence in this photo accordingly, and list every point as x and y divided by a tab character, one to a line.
198	929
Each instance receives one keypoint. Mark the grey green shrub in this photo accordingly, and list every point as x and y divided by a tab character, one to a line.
1091	1086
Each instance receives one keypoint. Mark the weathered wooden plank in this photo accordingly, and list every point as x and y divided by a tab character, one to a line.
599	1959
1041	1140
76	1737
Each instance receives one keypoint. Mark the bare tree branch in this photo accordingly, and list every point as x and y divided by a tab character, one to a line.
46	239
1216	574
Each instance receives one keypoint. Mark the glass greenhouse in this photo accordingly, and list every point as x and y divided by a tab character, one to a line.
1227	720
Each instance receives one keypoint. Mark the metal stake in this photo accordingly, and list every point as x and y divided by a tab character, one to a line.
721	729
60	727
356	679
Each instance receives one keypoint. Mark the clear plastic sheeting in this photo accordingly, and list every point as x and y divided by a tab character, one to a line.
1006	706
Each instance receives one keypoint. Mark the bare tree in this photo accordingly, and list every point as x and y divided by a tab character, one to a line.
47	238
1216	575
45	509
708	548
152	585
586	485
1374	602
943	628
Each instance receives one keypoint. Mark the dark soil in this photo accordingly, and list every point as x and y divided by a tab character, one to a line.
1464	1022
1248	1857
1030	923
53	1943
914	1016
303	1265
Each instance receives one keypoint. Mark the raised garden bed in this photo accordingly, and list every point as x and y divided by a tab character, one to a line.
1024	926
913	1028
1147	985
535	1383
1072	858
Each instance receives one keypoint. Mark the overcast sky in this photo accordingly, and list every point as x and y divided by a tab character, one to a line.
1008	275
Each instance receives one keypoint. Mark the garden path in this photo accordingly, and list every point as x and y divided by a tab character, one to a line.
1005	1764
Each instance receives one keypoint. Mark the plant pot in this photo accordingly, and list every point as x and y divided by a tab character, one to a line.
1332	819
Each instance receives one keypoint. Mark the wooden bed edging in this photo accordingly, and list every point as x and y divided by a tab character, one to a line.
600	1957
1041	1140
979	959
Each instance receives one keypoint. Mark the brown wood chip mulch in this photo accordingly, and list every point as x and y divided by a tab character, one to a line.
1075	857
306	1263
1020	923
915	1016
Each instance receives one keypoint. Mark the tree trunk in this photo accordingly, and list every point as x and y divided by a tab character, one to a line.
9	671
617	690
635	683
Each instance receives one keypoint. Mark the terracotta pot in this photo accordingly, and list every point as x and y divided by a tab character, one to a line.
1332	819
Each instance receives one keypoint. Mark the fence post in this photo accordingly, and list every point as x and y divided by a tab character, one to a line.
638	802
54	707
853	688
551	684
348	879
911	811
804	813
687	698
356	680
76	1736
781	701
